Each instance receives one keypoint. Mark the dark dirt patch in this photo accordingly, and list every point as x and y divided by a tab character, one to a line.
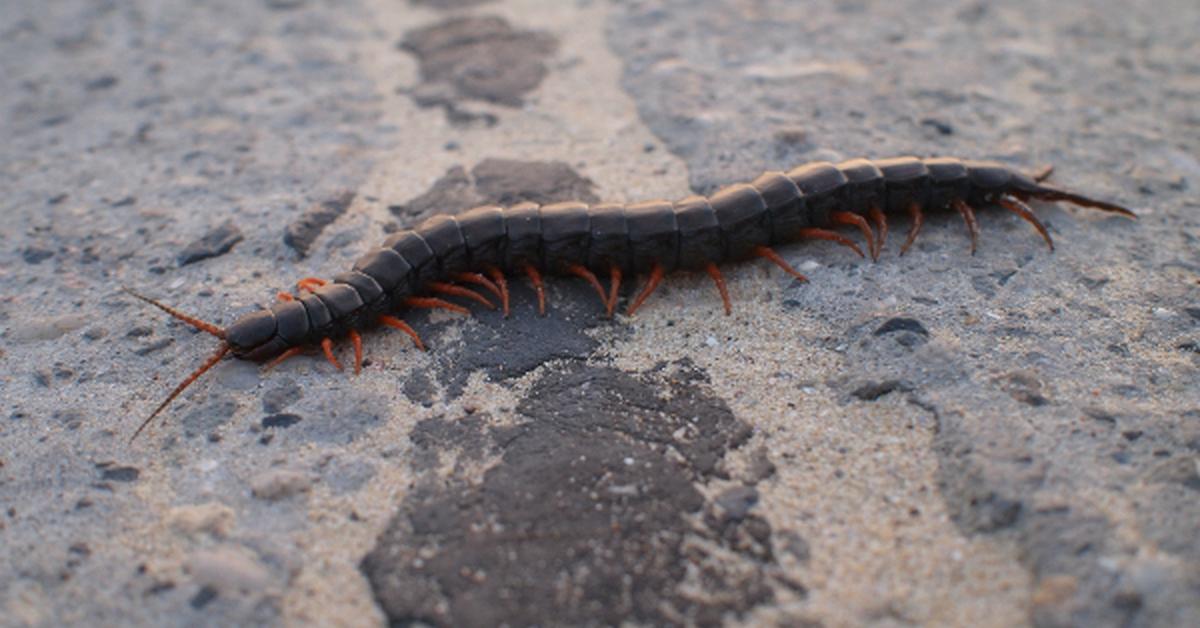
501	182
585	518
303	231
505	348
508	181
477	58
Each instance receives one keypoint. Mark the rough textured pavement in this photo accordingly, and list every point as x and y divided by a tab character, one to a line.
1001	439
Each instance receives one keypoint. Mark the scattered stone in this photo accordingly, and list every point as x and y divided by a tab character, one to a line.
284	394
280	484
35	254
1026	388
71	418
302	232
280	421
157	345
940	126
101	82
114	473
212	244
872	391
203	597
481	58
894	325
736	502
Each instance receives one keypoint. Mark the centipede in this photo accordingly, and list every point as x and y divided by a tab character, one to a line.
451	261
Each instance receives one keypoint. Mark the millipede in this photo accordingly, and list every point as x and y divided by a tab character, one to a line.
466	255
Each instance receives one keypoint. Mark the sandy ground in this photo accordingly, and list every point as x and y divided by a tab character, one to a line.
1001	439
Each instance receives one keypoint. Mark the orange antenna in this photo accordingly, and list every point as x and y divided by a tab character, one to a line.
209	363
190	320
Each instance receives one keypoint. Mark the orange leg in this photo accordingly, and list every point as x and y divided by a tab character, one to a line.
434	303
968	215
590	277
396	323
824	234
327	349
502	285
1044	173
881	226
536	279
715	273
656	277
459	291
290	353
283	296
1015	206
614	284
918	219
308	284
356	340
854	220
480	280
769	253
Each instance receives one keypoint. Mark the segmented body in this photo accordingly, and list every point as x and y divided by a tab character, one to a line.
654	237
686	234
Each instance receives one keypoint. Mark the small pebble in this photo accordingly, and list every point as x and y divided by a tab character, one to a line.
216	242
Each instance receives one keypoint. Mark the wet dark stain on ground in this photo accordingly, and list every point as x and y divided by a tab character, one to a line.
506	348
592	513
481	58
503	182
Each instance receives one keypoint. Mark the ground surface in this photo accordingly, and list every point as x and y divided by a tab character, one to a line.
940	439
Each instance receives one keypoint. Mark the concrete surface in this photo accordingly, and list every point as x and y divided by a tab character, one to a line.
1006	439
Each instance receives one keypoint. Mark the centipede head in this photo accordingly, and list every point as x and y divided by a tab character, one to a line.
224	348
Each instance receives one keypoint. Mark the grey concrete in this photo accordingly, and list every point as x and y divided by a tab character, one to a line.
936	439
